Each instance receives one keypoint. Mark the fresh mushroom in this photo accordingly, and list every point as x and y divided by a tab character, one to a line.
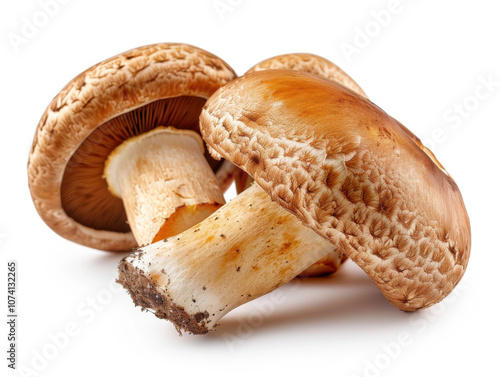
321	67
137	115
340	164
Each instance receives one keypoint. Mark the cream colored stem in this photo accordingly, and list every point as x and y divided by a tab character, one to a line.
246	249
165	183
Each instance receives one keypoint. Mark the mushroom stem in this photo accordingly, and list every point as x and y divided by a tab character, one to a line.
164	181
246	249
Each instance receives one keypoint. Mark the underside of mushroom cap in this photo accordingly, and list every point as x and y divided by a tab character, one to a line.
349	172
126	95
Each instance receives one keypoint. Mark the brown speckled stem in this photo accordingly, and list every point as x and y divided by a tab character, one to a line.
244	250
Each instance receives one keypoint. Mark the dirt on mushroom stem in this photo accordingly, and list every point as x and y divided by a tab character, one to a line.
246	249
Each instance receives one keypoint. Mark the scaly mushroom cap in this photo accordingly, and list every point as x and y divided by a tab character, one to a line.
126	95
350	173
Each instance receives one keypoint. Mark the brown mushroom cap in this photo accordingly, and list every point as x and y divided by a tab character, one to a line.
126	95
310	63
350	173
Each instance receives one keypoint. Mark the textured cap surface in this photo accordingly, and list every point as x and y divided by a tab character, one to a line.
80	126
301	62
349	172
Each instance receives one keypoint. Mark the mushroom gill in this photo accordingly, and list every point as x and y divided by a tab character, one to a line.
97	208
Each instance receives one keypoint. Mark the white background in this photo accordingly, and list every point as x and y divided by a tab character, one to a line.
424	60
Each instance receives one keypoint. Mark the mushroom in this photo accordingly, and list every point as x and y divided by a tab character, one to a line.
117	159
321	67
337	162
